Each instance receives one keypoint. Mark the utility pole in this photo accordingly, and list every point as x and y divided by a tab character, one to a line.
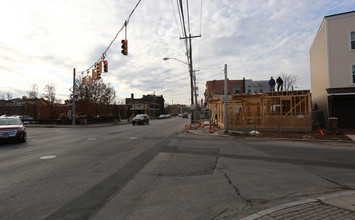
195	88
189	52
73	110
226	99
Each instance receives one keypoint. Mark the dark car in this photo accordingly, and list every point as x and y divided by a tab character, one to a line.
11	128
140	119
185	115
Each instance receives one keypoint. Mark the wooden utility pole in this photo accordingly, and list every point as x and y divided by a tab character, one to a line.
189	55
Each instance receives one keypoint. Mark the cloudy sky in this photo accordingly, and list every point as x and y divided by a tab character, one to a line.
43	40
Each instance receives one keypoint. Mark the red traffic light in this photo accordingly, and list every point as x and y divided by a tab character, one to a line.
105	66
124	47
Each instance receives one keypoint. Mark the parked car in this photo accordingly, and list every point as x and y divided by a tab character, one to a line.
180	115
185	115
162	116
25	118
12	129
140	119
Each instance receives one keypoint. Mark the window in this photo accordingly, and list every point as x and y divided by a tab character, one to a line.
260	89
255	89
352	40
353	73
249	89
233	90
238	90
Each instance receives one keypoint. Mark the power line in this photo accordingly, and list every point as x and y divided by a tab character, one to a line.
177	24
119	31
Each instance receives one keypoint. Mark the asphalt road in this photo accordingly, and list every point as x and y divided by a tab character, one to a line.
158	171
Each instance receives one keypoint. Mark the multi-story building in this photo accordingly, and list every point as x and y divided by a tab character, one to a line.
215	88
149	104
332	60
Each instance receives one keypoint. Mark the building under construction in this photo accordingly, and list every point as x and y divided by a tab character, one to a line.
285	110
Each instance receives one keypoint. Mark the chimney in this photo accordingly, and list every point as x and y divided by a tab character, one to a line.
132	96
243	85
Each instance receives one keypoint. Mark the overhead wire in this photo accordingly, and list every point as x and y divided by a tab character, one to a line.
199	41
177	24
181	11
119	31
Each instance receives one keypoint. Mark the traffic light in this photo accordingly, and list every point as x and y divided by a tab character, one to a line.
98	75
90	80
84	80
99	67
94	75
105	66
124	47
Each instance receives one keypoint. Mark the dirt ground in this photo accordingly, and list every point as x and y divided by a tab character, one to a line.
314	135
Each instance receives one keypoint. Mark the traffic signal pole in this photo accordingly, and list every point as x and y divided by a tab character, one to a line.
73	106
226	99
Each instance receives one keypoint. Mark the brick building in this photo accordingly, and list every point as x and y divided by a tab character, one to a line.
151	105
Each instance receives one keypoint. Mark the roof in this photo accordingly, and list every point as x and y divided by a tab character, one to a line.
349	12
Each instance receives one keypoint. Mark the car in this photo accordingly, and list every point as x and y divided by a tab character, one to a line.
12	129
25	118
168	116
180	115
162	116
185	115
140	119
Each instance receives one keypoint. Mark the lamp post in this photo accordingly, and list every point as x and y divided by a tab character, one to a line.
191	82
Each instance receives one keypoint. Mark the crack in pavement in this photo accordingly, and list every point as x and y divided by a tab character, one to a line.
343	187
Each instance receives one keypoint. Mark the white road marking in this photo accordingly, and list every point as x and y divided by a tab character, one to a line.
48	157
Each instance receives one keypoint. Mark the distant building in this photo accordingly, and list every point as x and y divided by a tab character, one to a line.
215	89
177	109
254	87
151	105
332	60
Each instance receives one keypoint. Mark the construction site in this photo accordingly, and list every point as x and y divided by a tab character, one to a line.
269	111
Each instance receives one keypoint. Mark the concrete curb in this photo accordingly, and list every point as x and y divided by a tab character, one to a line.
296	203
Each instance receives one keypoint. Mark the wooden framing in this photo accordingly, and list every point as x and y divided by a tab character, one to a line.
287	110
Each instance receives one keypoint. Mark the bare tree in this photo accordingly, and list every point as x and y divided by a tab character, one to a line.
49	96
289	81
33	94
95	99
8	95
2	97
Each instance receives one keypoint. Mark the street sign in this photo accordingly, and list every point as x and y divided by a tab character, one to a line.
226	100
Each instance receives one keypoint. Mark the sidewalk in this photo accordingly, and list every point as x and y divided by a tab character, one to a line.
340	205
346	138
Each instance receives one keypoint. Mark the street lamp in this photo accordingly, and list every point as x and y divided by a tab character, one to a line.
191	82
168	58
